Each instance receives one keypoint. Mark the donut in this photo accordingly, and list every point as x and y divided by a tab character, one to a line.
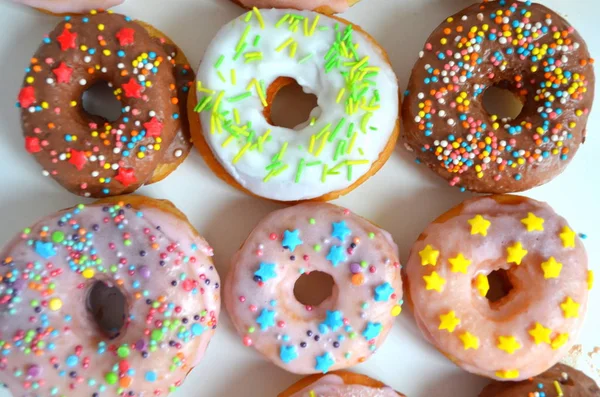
339	384
499	284
63	328
560	380
518	46
58	7
89	155
350	134
349	325
327	7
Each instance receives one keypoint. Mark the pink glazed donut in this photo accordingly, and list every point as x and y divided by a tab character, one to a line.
64	331
348	326
499	284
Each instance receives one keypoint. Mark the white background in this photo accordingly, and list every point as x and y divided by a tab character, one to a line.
402	198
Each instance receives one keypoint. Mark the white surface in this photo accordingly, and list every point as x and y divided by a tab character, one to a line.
403	198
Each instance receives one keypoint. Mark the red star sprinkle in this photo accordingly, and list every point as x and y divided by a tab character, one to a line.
132	89
126	36
66	39
78	159
126	176
153	127
63	73
32	144
26	96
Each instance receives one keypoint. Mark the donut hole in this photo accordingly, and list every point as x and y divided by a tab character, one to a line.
500	285
312	289
99	100
289	106
498	100
107	306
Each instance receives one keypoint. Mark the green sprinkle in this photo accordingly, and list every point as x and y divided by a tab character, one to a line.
123	351
239	52
239	155
233	78
312	221
371	235
156	335
337	128
242	40
219	61
317	248
256	40
313	163
273	165
58	236
282	151
239	97
275	172
364	264
251	330
322	28
248	16
349	175
223	79
364	121
111	378
202	104
299	170
341	146
324	173
350	130
306	58
313	120
282	20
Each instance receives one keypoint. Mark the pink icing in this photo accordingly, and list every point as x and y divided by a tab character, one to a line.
333	386
343	330
311	5
66	6
532	299
50	342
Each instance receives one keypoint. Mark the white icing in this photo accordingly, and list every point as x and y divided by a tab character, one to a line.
250	170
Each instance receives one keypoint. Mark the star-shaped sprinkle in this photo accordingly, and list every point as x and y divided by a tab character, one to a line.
153	127
336	255
78	159
429	256
26	96
266	319
333	321
482	284
434	282
288	354
570	308
540	334
132	89
44	249
590	279
340	230
449	321
32	144
507	373
559	341
469	341
126	36
126	176
291	239
372	330
479	225
509	344
383	292
533	223
568	237
266	271
324	362
459	264
67	39
551	268
516	253
63	73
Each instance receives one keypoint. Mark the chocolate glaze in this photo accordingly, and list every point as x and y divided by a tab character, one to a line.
539	152
574	384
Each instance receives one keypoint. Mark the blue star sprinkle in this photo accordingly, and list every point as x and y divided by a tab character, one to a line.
333	321
45	250
383	292
372	330
266	271
288	354
336	255
324	362
340	230
291	239
266	319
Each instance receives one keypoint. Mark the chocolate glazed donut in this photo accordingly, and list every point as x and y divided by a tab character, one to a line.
87	154
525	48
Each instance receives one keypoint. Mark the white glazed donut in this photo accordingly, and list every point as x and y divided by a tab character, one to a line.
354	121
346	328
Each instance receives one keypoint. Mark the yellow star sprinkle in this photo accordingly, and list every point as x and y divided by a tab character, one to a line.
509	344
590	279
540	334
479	225
551	268
482	284
516	253
568	237
533	223
449	321
459	264
570	308
508	374
559	341
469	341
429	256
434	282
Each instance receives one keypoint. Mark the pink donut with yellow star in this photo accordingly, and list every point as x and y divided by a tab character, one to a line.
499	284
